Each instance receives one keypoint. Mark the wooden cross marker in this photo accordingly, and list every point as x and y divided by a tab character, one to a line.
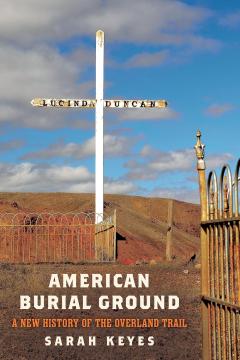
99	104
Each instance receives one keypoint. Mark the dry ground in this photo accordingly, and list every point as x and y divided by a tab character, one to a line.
170	344
141	227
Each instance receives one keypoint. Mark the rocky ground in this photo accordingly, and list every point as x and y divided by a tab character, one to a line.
165	279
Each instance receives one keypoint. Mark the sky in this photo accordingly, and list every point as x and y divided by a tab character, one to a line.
186	52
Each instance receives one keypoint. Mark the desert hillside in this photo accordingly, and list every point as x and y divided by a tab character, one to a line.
141	221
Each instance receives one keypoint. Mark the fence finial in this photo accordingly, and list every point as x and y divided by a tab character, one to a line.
199	148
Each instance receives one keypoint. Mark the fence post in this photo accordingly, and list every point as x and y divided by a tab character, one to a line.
115	234
201	167
169	231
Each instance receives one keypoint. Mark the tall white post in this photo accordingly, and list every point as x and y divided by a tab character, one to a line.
99	105
99	127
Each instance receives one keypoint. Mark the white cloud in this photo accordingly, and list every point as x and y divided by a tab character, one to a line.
113	146
199	43
147	150
182	194
218	160
52	178
120	187
148	114
216	110
44	72
88	187
173	161
29	177
146	59
110	187
195	44
139	171
159	21
231	20
37	72
31	65
11	145
155	162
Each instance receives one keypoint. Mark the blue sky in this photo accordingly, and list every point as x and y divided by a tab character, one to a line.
186	52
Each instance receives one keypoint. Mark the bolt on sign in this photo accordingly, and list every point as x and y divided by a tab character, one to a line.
99	104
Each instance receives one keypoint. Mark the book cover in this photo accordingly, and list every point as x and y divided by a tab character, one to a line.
114	242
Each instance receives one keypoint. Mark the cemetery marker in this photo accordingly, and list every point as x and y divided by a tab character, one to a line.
98	104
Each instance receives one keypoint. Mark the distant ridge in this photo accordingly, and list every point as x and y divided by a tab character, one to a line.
141	221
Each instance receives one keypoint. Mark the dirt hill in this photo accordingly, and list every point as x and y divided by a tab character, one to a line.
141	222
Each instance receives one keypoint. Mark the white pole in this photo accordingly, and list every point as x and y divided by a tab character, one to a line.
99	127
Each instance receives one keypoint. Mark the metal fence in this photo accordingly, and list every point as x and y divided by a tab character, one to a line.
220	254
55	237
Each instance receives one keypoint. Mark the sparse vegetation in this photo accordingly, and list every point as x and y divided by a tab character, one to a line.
165	278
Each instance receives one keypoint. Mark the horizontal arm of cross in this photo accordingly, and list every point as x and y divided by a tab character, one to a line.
91	103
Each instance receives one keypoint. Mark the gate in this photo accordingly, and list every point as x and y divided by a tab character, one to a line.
55	237
220	260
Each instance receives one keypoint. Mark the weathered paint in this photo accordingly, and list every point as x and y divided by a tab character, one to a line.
99	145
220	261
91	103
55	237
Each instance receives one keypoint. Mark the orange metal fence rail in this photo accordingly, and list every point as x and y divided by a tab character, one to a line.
47	237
